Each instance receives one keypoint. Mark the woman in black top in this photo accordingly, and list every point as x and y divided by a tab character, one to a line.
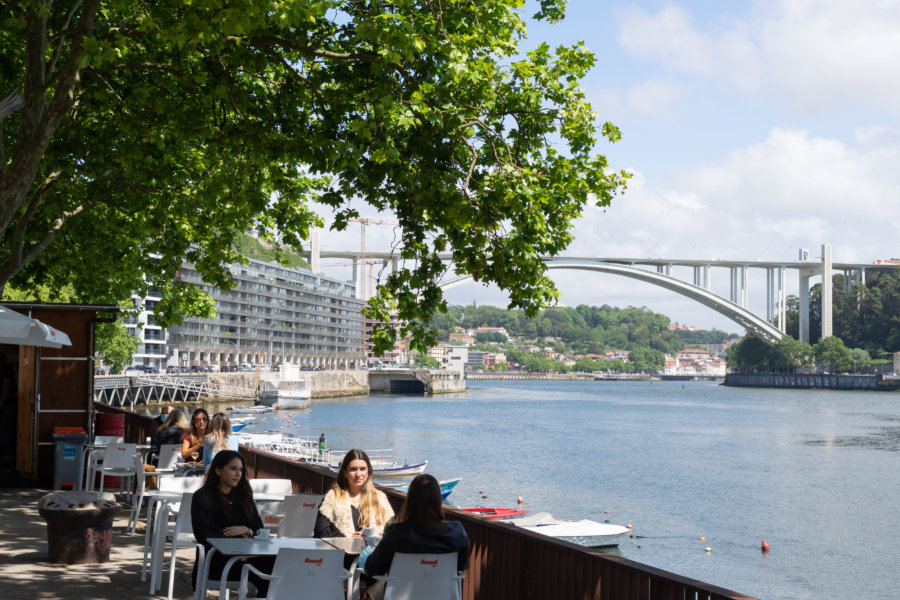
420	528
224	507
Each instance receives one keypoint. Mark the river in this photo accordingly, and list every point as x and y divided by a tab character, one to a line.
815	473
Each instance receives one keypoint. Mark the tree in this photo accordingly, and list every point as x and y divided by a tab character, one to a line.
860	361
788	354
832	355
750	354
115	347
153	133
429	362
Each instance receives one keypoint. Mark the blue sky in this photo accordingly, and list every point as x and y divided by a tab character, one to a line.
753	129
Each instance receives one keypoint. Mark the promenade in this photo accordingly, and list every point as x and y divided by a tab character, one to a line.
25	572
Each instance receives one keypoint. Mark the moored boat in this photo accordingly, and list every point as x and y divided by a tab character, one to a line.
584	532
383	468
446	486
496	513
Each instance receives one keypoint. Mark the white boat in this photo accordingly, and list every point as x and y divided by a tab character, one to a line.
384	465
584	532
249	410
285	394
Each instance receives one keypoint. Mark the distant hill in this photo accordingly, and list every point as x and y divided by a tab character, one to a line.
252	247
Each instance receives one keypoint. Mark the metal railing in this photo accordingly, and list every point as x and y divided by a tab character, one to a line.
505	562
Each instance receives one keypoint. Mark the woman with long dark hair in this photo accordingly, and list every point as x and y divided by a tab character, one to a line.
223	507
353	502
195	436
420	528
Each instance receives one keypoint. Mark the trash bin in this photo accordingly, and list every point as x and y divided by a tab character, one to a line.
79	525
68	444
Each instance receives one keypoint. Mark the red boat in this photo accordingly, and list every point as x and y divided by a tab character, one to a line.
497	513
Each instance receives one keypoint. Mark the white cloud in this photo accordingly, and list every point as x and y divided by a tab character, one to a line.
654	97
823	52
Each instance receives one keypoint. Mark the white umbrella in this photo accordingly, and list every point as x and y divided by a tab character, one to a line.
16	328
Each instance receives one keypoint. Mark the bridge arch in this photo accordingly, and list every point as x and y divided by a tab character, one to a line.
740	315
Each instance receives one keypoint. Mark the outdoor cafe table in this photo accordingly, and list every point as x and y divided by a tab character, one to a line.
158	501
240	548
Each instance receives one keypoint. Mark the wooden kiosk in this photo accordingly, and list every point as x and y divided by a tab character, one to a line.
55	382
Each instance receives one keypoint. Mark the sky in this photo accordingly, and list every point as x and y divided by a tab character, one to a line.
752	129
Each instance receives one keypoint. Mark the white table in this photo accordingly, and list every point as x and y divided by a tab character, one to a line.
159	500
240	548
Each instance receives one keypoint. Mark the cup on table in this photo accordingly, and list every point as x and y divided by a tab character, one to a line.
262	534
370	535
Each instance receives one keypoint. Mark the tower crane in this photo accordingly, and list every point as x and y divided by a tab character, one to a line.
363	221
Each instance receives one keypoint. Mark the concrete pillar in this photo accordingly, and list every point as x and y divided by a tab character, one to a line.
733	287
745	292
359	277
314	251
770	294
826	290
782	305
804	306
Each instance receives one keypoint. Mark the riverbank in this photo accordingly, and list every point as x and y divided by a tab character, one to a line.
813	381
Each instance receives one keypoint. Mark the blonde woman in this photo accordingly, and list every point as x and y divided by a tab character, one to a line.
353	502
218	437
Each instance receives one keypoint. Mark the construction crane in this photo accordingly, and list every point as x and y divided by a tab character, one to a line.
363	221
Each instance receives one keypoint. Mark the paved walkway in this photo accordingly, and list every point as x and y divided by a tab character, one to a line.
25	572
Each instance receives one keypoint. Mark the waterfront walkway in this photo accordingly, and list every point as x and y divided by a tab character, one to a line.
25	572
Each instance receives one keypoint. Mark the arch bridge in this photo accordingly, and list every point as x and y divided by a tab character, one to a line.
658	271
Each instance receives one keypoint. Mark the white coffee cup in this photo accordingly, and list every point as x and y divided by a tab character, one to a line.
262	534
370	535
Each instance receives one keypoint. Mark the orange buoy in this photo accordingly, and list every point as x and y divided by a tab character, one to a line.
765	545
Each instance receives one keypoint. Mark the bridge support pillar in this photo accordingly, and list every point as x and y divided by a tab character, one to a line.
314	251
826	291
701	277
359	278
775	309
739	285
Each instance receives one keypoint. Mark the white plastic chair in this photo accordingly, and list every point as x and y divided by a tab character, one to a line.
299	514
417	576
118	461
302	575
167	485
94	457
169	456
182	536
277	487
141	492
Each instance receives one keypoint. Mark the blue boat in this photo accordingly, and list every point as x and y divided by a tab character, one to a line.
446	487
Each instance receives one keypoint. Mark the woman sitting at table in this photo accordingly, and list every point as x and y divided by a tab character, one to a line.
218	437
171	431
194	438
224	507
420	528
353	502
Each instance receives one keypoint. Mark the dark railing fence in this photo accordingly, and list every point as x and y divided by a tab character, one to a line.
505	563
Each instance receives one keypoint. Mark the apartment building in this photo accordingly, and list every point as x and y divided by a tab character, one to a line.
273	315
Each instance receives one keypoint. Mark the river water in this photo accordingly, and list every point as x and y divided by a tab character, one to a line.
814	473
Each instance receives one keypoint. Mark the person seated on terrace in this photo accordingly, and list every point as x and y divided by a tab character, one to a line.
420	528
171	432
223	507
353	502
218	437
194	438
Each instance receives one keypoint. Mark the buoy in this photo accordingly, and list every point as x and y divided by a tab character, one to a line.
708	549
702	539
765	545
628	525
606	512
520	500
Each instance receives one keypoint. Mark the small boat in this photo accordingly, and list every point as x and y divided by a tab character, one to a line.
286	394
584	532
249	410
239	426
496	513
446	486
382	468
